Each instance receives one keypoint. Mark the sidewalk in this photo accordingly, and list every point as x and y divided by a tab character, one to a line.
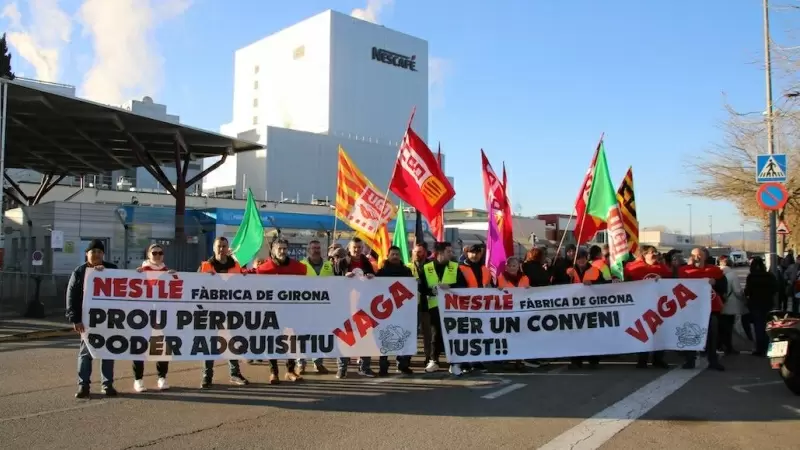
20	328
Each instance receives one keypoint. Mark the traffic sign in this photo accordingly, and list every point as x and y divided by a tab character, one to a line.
782	228
37	259
772	196
771	168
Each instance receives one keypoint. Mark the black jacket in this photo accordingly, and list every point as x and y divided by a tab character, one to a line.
537	274
394	270
74	311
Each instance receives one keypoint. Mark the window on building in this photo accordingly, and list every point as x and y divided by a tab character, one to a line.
255	120
256	69
255	103
255	84
299	52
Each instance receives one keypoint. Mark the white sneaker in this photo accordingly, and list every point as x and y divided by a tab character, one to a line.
162	384
431	367
455	370
138	386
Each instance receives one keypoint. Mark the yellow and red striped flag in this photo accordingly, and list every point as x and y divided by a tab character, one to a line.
627	206
362	207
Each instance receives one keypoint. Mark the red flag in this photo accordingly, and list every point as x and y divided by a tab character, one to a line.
418	180
508	225
587	226
437	224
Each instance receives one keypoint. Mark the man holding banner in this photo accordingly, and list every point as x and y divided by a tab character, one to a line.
441	273
280	264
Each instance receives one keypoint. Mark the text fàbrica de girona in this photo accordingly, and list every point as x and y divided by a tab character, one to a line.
149	316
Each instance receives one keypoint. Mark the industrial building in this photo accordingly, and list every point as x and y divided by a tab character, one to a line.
327	81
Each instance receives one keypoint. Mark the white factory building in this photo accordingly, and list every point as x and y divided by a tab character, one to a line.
327	81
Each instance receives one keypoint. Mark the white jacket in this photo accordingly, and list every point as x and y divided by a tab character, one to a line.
734	298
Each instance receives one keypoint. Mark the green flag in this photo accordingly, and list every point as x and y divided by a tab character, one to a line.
400	237
250	236
603	205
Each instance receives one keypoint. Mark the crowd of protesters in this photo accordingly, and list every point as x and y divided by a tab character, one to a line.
438	268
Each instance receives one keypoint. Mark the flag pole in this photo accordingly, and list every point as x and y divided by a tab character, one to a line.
394	169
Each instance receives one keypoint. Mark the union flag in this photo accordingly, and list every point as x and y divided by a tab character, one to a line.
437	224
362	207
587	226
627	206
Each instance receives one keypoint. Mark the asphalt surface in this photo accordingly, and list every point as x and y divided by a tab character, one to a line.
614	407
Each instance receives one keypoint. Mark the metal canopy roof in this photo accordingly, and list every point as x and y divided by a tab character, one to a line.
58	134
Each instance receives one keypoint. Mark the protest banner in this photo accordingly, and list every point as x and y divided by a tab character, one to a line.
574	320
157	316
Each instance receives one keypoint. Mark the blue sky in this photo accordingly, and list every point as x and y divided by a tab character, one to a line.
534	83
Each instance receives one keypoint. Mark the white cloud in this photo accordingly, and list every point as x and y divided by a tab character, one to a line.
42	41
126	61
372	12
439	69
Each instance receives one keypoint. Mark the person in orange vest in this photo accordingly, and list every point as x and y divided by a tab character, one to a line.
699	267
647	267
476	275
587	274
280	263
512	275
221	262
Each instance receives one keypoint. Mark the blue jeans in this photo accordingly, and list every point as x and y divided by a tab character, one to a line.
85	368
341	363
233	368
302	361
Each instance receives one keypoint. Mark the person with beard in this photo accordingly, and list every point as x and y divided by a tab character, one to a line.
221	262
394	267
647	267
443	273
357	264
316	266
534	268
585	273
476	275
418	259
698	267
279	263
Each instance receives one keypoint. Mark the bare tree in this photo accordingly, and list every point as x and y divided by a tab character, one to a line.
728	170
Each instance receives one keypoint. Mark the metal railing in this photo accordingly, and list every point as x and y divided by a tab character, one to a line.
17	289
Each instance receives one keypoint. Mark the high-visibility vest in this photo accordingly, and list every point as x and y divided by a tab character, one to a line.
590	274
503	283
414	270
472	282
449	277
325	271
603	268
207	267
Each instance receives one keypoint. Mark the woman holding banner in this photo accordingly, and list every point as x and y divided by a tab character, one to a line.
153	263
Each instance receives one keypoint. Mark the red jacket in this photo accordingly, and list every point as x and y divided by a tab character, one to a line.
290	267
640	270
707	271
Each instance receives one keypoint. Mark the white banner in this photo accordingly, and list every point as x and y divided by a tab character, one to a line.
156	316
574	320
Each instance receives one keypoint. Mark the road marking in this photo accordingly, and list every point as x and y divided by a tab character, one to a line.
792	409
503	391
54	411
742	388
594	432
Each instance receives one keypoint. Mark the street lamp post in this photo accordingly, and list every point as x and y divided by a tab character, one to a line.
711	230
773	215
690	223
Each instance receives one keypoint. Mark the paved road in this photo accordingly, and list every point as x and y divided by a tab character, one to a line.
614	407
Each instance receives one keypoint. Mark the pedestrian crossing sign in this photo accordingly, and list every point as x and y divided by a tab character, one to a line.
771	168
782	228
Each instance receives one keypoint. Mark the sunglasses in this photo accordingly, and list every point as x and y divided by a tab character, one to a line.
157	253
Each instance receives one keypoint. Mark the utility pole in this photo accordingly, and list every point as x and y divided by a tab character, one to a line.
773	215
711	230
691	240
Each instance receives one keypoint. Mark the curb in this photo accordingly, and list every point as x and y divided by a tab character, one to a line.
38	335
